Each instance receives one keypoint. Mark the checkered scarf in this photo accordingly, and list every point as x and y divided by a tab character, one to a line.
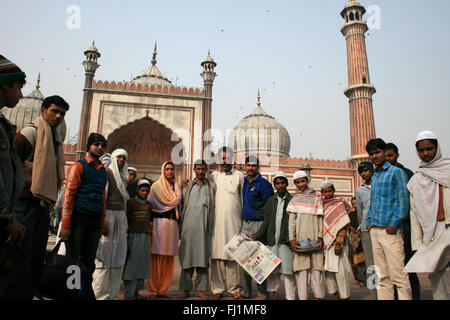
335	218
308	201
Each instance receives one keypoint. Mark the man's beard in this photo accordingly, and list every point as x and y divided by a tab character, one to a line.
226	167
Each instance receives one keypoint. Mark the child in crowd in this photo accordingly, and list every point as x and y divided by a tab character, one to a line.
335	222
305	233
137	265
274	233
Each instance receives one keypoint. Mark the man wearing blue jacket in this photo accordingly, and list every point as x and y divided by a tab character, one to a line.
255	193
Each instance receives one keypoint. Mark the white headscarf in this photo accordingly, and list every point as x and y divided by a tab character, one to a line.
424	187
437	169
120	176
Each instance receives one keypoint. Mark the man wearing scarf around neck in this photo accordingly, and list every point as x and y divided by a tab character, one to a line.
335	222
306	222
430	215
112	249
40	149
12	178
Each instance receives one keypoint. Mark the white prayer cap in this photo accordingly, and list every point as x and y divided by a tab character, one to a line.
279	174
426	135
143	181
299	174
326	184
132	169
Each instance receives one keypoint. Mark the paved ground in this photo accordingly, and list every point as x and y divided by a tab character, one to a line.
357	293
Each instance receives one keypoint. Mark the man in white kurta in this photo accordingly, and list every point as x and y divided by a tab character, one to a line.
112	249
227	223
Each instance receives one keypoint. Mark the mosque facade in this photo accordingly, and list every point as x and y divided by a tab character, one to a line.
155	120
150	117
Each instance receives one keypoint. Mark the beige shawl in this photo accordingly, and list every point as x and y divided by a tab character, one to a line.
48	168
162	197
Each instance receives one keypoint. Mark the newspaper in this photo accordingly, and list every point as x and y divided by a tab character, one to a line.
256	259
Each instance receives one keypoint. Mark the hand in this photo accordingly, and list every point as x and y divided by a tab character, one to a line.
391	230
293	245
104	231
337	249
320	241
184	183
16	232
253	237
64	234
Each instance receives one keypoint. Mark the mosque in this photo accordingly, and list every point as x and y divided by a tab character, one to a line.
155	120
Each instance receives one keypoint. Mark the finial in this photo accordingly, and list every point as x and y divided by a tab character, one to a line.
209	52
38	81
93	42
259	99
154	55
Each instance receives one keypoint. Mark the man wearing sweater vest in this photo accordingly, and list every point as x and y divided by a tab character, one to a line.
83	211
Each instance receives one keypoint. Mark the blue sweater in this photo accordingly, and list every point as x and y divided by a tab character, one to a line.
254	197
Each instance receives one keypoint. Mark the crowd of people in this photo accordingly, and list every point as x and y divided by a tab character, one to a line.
128	230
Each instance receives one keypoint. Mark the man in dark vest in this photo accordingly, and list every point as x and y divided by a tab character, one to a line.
83	212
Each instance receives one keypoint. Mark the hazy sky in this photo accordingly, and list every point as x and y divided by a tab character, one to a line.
291	49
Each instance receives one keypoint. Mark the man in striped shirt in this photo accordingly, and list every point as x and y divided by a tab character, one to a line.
388	208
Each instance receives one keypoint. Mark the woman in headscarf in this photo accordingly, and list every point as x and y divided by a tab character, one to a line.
430	215
165	196
112	249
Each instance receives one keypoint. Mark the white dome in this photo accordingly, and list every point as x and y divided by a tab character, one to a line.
260	134
152	76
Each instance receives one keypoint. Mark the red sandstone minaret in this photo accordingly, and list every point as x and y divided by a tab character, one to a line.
90	66
360	90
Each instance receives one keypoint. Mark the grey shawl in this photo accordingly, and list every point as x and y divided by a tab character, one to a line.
210	201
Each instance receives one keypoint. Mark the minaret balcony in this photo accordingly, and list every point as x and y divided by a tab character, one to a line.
369	89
